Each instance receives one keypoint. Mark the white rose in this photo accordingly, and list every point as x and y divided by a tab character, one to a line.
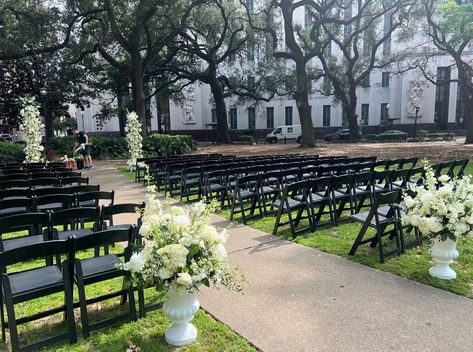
184	279
165	273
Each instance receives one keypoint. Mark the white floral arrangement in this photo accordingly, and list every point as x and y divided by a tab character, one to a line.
181	250
31	125
134	139
442	208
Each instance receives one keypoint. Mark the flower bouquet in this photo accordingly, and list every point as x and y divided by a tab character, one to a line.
181	252
442	210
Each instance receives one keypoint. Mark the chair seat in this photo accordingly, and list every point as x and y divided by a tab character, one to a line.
215	187
63	235
317	198
293	203
174	177
269	190
192	182
88	203
18	242
35	280
12	211
361	217
247	194
99	265
119	227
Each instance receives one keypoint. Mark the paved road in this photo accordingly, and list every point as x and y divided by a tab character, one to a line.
300	299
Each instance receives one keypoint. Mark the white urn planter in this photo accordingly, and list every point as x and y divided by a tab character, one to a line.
443	253
180	308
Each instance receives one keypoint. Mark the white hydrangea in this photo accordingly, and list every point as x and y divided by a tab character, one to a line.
440	208
31	125
184	279
134	139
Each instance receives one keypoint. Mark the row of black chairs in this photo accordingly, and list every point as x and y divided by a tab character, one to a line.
44	182
54	201
27	175
31	191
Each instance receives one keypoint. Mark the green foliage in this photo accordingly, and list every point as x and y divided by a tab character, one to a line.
11	152
165	144
246	139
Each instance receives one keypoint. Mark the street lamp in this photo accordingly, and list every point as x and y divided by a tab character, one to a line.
417	109
387	113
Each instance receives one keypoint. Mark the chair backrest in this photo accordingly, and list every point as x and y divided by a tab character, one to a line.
363	178
393	197
247	182
22	221
43	174
26	203
97	196
320	185
15	177
45	181
67	200
460	166
79	180
83	188
48	190
123	208
14	184
14	193
66	215
343	181
37	250
104	237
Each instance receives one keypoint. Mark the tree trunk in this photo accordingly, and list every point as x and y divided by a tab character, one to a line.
221	111
467	96
301	97
137	91
352	116
121	114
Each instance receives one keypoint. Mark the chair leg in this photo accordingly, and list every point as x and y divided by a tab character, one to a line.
361	234
83	308
141	302
69	311
131	297
15	344
278	219
2	318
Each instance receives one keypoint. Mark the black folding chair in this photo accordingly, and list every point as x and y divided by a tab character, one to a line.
83	188
363	189
45	182
14	184
295	197
74	181
215	185
380	222
14	193
34	283
342	193
460	166
320	197
73	222
109	212
101	268
191	182
246	190
269	189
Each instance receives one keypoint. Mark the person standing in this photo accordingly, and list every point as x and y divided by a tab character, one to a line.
83	141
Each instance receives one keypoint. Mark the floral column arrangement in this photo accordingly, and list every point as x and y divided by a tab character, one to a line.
441	209
31	124
181	252
134	139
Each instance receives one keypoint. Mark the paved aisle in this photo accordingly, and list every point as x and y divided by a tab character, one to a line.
300	299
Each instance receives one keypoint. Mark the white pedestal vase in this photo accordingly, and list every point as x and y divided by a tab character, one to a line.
180	308
443	253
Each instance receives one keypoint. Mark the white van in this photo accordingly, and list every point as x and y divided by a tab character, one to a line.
284	132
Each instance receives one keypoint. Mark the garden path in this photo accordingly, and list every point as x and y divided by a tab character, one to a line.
301	299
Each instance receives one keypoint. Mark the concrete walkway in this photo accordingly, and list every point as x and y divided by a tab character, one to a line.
300	299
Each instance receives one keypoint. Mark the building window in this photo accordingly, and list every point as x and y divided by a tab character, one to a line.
269	117
308	20
365	82
289	83
326	116
387	46
213	113
250	52
344	118
384	113
328	49
348	14
288	115
365	114
250	5
233	119
326	85
251	82
385	79
251	118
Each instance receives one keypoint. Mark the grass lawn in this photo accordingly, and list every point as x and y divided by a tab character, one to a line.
413	264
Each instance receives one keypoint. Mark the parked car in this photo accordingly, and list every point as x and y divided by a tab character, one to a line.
340	135
284	133
392	135
6	138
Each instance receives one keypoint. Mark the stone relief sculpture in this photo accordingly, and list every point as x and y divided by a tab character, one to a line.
416	94
188	104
